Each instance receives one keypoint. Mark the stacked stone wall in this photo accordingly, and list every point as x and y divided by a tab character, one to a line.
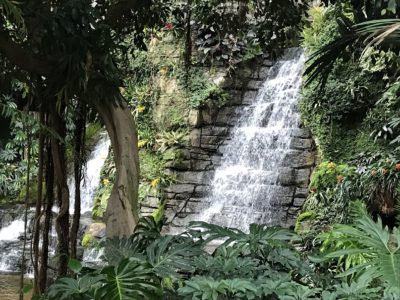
210	133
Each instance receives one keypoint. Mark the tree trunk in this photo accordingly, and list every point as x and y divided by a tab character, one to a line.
38	211
48	209
79	137
60	172
28	183
122	209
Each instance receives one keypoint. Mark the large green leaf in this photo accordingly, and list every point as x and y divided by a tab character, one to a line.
169	257
146	232
259	234
129	280
79	289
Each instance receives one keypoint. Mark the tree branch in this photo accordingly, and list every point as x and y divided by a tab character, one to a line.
20	57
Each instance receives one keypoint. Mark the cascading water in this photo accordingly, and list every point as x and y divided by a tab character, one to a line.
92	177
10	246
245	184
11	235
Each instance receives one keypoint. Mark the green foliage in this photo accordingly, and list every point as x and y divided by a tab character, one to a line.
171	140
259	236
208	288
107	176
333	241
201	90
377	61
226	35
12	11
318	32
13	157
92	134
378	243
129	280
328	174
261	264
152	165
75	265
168	255
346	109
301	219
86	240
331	191
158	214
101	200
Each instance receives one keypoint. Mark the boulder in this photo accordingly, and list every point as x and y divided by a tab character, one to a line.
96	230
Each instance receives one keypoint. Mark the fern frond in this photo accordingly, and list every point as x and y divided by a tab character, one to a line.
12	10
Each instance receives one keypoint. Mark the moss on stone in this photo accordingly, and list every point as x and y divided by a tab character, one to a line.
303	224
87	240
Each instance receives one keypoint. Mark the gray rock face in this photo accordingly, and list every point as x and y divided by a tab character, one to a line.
211	127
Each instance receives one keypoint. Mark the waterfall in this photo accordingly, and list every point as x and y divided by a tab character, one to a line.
92	176
11	235
245	184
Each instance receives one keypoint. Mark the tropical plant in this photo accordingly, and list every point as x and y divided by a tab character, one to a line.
171	139
130	279
378	244
261	264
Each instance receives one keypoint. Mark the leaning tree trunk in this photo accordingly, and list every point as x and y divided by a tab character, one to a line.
122	209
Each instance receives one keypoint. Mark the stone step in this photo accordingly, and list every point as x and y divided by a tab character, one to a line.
281	195
267	160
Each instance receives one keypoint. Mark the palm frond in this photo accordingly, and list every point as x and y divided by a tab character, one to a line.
322	61
382	32
377	32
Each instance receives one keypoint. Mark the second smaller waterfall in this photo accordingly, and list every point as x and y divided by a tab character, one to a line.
91	179
11	235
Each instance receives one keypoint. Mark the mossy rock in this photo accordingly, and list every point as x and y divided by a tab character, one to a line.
87	239
304	222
